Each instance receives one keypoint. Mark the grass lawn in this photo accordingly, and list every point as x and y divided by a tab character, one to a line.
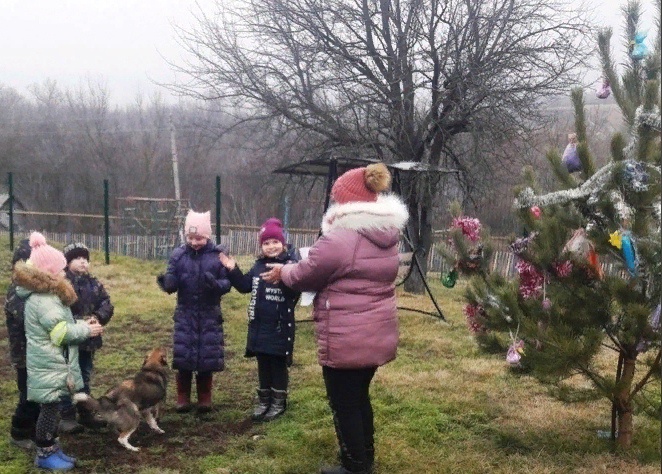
440	407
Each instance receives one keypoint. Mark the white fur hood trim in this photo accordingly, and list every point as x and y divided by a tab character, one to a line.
387	211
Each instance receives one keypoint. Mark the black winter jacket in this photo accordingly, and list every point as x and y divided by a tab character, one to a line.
93	300
270	310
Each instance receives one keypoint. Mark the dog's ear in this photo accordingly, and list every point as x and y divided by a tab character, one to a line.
164	357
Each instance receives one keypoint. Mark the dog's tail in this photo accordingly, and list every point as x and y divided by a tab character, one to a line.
101	406
87	401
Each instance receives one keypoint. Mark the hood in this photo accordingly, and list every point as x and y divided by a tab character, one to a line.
32	280
208	247
380	221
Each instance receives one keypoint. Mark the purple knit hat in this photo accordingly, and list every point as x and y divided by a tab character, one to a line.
272	229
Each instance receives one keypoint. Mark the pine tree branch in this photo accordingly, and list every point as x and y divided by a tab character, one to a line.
653	369
599	382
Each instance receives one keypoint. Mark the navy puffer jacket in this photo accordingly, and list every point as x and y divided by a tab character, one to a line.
199	280
93	300
270	309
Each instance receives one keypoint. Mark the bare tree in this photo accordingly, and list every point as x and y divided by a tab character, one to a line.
395	79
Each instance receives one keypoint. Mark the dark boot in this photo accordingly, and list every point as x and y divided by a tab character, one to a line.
348	465
203	382
278	404
89	419
183	380
22	432
263	404
68	423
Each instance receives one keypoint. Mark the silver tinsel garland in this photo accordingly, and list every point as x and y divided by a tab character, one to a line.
650	119
593	186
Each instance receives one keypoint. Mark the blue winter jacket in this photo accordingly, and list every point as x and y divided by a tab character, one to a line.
199	280
270	309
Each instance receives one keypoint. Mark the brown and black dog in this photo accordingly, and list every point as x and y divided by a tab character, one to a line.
123	405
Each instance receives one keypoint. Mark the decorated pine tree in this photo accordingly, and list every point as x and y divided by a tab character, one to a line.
587	300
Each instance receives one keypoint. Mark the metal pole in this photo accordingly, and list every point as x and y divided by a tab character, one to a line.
175	174
10	187
106	221
218	210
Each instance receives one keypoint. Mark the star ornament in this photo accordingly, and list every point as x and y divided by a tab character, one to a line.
615	239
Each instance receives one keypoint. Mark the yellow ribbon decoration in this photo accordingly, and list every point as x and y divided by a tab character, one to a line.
615	239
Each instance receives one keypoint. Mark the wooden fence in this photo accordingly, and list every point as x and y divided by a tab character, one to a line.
243	241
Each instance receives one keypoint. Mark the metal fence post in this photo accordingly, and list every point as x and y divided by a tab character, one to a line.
106	221
218	210
10	188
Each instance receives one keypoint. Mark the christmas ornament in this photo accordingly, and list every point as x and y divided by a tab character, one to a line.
522	243
546	304
639	49
449	279
594	263
473	312
469	226
635	176
473	262
629	253
604	90
535	210
578	245
530	279
516	350
570	156
615	239
563	269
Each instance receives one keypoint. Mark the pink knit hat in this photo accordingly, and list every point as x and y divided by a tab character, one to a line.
198	223
272	229
45	257
361	184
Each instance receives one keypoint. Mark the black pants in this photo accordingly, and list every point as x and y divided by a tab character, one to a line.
272	371
26	413
348	391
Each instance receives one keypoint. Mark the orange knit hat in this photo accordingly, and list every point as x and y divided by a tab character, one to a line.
361	184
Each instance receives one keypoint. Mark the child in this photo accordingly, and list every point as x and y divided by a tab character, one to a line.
200	280
25	416
270	320
52	343
93	304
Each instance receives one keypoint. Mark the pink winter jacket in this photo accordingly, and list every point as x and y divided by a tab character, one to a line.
353	267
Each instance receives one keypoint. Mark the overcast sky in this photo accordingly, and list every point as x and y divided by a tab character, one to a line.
117	42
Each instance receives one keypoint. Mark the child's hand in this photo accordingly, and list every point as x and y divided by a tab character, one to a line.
96	329
273	275
228	262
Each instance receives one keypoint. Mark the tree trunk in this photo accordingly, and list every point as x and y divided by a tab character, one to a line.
624	404
419	204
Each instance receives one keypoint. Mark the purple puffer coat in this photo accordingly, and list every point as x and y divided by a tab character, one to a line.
353	267
199	280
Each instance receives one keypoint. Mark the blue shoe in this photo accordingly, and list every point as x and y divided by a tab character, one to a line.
63	456
53	462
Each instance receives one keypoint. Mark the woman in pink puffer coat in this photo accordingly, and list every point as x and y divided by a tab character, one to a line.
353	267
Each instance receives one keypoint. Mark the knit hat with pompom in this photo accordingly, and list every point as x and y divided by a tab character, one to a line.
361	184
45	257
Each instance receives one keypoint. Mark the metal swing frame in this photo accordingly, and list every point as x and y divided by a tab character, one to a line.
332	166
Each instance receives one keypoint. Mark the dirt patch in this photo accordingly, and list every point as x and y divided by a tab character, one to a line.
187	437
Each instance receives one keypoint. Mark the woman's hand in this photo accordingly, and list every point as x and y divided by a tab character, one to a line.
273	275
228	262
